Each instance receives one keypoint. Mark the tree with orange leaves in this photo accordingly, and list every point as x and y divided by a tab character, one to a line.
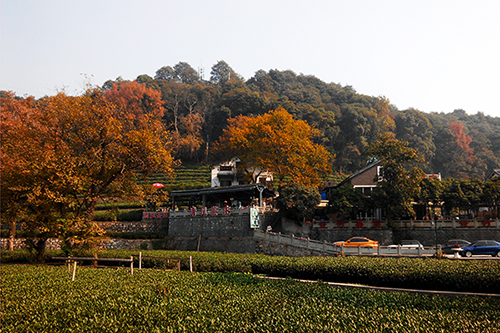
62	154
277	143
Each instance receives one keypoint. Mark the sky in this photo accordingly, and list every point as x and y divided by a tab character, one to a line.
431	55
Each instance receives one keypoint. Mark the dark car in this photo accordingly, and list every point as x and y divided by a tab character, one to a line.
454	244
483	247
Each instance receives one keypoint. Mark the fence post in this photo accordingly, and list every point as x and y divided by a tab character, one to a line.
131	265
140	260
359	249
191	264
74	271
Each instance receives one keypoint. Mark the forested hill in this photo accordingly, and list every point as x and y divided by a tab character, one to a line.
455	144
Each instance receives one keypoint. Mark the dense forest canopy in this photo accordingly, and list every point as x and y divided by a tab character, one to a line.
197	111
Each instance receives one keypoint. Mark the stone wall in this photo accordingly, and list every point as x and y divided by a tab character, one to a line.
159	225
229	233
223	226
110	243
19	243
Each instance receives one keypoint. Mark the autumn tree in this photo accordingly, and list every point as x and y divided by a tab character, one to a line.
277	143
72	151
14	113
399	181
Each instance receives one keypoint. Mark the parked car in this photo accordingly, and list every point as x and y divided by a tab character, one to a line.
408	244
358	241
454	244
482	247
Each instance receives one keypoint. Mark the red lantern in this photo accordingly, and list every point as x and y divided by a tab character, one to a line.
158	185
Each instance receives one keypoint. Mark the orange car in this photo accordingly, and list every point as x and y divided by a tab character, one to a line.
358	241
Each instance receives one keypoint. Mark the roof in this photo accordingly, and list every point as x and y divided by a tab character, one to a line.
368	167
494	173
249	189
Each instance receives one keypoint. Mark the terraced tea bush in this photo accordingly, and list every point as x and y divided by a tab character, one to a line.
450	275
43	299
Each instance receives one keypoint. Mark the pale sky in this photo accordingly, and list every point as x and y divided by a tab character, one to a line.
432	55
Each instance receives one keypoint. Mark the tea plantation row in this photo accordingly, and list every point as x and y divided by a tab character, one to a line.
450	275
44	299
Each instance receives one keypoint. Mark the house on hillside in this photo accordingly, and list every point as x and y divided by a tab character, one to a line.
365	180
493	174
230	186
228	173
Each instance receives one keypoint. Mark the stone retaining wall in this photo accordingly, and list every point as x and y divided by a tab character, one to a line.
110	244
160	225
19	243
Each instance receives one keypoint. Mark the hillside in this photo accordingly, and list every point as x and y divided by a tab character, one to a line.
456	145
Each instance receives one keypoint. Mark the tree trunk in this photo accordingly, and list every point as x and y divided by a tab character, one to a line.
12	235
40	249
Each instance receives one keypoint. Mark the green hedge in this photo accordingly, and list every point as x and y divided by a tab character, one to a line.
121	215
120	205
453	275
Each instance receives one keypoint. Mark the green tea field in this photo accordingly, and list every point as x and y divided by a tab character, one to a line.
40	298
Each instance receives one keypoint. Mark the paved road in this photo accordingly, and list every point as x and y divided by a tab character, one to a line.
474	257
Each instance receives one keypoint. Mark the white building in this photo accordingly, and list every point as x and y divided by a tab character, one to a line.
228	173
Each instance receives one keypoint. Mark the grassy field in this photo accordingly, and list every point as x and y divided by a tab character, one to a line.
44	299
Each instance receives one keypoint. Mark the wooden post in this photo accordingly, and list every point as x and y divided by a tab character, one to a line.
69	264
140	260
191	264
74	271
131	265
199	240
